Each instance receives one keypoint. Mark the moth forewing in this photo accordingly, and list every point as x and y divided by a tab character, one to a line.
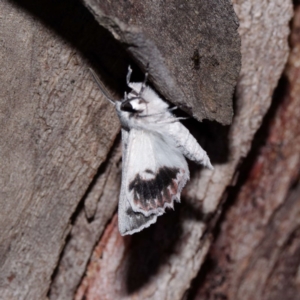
129	221
156	172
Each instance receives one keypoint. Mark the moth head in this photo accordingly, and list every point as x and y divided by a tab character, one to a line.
141	100
134	102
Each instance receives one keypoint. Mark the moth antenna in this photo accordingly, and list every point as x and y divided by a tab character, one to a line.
97	80
128	76
173	108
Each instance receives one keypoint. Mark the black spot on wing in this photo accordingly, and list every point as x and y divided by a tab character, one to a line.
149	171
155	192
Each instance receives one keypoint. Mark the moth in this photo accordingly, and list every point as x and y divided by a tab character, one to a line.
155	146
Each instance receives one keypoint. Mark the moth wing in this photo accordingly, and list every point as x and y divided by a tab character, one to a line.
155	172
129	221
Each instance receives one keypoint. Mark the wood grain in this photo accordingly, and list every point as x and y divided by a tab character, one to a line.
56	130
166	35
256	253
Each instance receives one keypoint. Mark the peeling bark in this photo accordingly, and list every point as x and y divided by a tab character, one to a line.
192	48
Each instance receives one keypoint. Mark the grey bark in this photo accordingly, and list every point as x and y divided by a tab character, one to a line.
53	140
192	48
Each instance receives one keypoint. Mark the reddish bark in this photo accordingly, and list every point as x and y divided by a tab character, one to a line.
256	254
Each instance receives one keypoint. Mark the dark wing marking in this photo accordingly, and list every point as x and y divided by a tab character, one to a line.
157	192
154	173
129	221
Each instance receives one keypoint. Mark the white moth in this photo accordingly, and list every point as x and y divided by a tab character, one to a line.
154	147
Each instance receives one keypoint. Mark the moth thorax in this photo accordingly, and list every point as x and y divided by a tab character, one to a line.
136	105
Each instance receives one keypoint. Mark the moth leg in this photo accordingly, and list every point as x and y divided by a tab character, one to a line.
150	115
128	76
145	80
173	120
161	113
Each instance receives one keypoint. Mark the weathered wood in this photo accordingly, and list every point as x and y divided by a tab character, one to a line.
86	232
160	262
56	129
257	252
193	49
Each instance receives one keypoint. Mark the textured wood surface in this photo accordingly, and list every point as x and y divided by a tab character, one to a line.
160	262
56	129
104	193
259	258
60	160
192	47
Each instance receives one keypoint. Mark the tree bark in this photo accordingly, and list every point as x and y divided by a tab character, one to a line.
192	49
61	157
53	139
256	254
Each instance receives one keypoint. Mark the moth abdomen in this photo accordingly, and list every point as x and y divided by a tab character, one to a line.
188	145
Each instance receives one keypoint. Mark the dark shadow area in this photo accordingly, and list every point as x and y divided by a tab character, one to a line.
151	248
259	141
211	135
75	24
213	138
